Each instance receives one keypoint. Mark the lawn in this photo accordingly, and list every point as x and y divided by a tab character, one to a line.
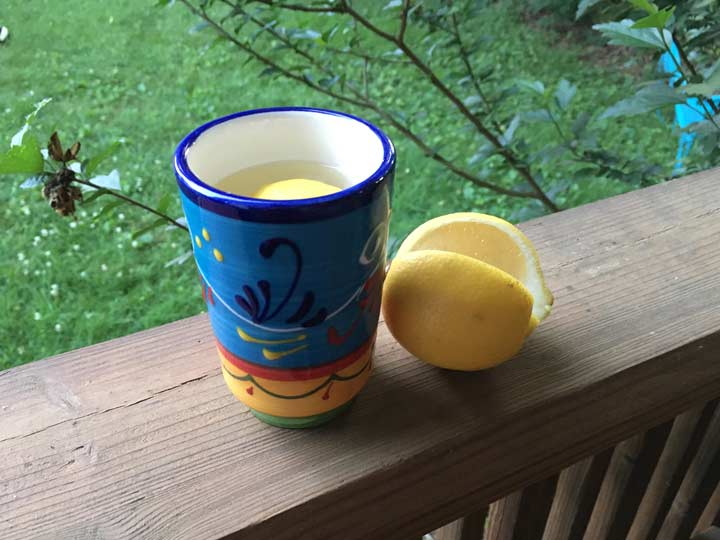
132	70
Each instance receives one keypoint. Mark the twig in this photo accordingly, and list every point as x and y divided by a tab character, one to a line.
465	57
132	201
509	157
693	71
403	20
360	102
368	57
300	7
366	78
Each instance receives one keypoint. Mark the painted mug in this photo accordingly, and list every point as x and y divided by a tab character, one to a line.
292	287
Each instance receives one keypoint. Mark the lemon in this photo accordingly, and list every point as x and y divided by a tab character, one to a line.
295	188
464	291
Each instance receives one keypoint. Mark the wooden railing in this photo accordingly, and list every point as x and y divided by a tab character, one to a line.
605	426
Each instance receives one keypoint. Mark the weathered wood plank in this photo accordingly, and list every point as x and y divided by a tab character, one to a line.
713	533
471	527
686	434
577	491
700	481
653	443
610	498
138	438
503	517
522	515
711	514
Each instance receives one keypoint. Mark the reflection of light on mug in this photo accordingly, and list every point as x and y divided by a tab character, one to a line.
373	245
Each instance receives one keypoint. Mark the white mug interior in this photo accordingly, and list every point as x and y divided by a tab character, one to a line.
246	141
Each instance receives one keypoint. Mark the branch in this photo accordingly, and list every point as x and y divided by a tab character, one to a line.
237	9
403	20
265	60
368	57
299	7
133	202
465	57
360	101
509	157
685	60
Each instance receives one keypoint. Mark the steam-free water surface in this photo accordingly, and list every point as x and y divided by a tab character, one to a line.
290	179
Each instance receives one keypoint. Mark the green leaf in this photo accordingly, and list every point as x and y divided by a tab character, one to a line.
107	181
645	5
24	158
704	37
656	20
536	86
580	123
33	181
550	153
648	98
584	6
96	160
507	137
18	137
484	152
472	101
148	228
164	203
94	195
179	259
709	88
541	115
198	27
564	93
622	33
107	208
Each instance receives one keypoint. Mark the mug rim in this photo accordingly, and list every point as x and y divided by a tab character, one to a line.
268	210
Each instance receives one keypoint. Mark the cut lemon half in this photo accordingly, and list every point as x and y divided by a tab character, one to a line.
491	240
464	291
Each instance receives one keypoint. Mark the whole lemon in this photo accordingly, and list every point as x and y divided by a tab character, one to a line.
464	292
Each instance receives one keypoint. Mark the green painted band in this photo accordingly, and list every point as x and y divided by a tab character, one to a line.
303	422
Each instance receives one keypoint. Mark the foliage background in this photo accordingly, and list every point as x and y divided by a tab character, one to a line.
131	70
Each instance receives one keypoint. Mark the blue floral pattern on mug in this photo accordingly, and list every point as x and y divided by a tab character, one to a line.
292	295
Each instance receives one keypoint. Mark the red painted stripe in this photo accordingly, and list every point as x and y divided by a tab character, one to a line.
295	374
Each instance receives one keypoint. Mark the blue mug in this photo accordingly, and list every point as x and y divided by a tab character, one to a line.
292	287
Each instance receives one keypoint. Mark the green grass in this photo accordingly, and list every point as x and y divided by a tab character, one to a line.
128	69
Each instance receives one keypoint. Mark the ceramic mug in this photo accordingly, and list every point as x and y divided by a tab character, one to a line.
292	287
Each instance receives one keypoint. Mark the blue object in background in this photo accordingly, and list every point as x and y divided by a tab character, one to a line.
685	113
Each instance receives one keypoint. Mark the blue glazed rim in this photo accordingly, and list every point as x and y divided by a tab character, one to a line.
290	211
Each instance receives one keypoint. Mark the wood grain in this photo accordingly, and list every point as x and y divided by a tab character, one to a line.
643	466
522	515
139	438
711	514
577	491
697	486
503	517
686	434
470	527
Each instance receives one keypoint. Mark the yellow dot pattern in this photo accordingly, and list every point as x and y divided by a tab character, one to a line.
206	234
218	255
198	241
